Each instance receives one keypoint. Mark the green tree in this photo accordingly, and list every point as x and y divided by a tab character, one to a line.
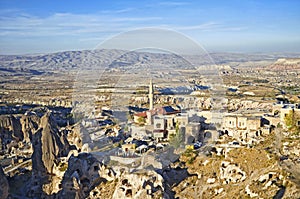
292	121
177	139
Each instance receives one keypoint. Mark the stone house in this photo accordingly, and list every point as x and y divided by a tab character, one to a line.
242	122
253	123
242	126
181	119
229	122
272	119
159	123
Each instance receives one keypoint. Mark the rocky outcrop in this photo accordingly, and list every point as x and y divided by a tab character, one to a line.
10	130
4	184
136	184
83	174
30	123
14	130
141	184
244	172
77	135
48	145
37	134
237	104
87	177
231	173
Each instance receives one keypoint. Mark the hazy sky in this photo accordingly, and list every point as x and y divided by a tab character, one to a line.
33	26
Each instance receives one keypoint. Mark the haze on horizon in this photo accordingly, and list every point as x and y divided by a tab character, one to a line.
228	26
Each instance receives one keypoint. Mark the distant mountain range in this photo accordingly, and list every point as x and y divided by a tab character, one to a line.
69	60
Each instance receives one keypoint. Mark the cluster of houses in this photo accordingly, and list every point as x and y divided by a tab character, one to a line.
255	125
153	130
163	123
246	130
157	126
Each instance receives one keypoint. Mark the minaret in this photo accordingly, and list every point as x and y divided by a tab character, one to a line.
150	95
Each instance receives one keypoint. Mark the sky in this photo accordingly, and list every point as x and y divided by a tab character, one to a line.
39	26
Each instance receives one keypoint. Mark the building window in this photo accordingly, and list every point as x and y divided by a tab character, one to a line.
298	123
158	125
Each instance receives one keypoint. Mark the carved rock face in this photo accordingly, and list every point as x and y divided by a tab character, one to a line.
139	185
84	172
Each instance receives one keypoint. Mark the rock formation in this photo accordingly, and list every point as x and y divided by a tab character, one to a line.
77	135
136	184
14	130
30	123
141	184
37	134
83	174
49	144
244	173
10	131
